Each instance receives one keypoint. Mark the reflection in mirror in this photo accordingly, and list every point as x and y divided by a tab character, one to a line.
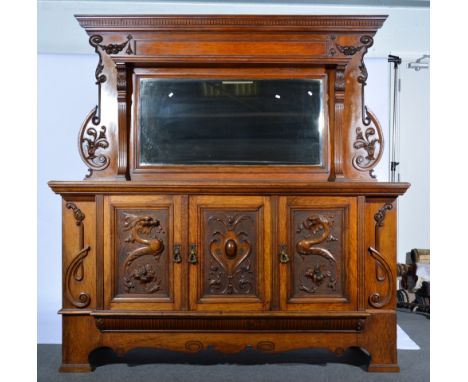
205	121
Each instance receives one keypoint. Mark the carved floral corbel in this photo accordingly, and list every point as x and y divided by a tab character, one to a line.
75	270
369	146
383	271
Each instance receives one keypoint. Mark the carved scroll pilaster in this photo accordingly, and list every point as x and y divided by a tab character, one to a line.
383	271
75	270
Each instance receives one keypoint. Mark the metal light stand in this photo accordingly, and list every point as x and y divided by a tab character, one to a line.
393	163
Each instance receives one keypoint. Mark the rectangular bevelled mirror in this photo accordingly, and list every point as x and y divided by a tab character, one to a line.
230	121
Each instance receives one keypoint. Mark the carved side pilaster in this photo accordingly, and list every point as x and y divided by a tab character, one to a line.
75	270
383	271
338	118
122	118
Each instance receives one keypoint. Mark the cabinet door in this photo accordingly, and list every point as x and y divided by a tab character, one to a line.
318	253
229	253
141	266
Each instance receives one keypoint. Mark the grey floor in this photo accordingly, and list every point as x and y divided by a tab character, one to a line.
298	366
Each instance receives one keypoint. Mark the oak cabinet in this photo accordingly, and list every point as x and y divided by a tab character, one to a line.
231	200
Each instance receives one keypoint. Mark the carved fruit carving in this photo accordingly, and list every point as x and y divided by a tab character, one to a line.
230	270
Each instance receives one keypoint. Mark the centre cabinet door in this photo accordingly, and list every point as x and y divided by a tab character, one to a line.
318	253
229	253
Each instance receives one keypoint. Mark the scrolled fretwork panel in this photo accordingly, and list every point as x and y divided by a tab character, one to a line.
79	256
380	254
99	141
362	134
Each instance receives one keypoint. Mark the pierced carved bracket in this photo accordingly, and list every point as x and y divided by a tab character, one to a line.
90	144
367	42
96	42
383	271
90	139
75	270
369	146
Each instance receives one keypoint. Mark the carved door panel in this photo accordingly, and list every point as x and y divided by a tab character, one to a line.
229	253
317	253
142	252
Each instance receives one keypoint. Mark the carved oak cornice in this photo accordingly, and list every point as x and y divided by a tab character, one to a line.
307	23
383	271
75	270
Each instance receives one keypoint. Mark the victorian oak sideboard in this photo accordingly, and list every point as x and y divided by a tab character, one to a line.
231	199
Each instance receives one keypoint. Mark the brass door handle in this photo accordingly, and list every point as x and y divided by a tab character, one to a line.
177	258
192	257
284	258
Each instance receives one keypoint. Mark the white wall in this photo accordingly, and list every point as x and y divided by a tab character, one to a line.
413	208
66	93
406	30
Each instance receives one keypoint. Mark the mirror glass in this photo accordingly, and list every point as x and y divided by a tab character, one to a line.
233	122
